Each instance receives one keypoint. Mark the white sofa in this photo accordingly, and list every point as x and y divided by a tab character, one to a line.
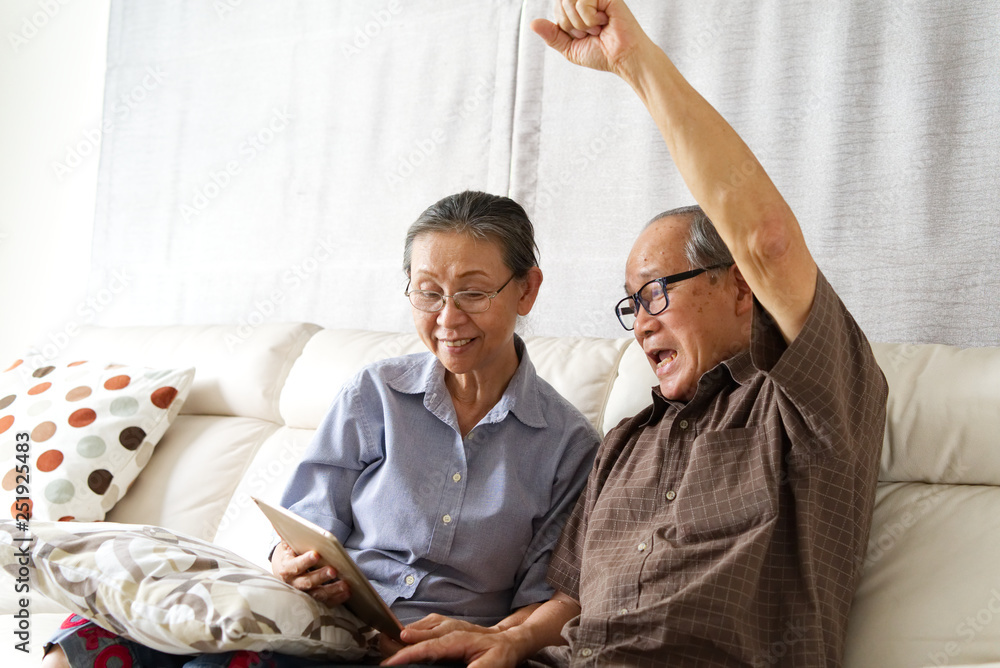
931	590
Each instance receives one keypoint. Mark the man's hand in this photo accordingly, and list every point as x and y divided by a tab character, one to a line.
478	650
513	640
300	571
599	34
436	626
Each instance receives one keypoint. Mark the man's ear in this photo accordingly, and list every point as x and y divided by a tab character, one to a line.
744	296
529	287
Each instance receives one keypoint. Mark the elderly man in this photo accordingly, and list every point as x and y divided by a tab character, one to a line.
725	525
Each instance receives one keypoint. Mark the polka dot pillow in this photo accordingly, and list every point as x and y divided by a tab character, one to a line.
73	437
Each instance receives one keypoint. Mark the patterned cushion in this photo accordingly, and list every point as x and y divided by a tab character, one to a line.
175	593
73	437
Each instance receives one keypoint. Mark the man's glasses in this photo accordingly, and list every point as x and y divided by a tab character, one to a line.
470	301
653	296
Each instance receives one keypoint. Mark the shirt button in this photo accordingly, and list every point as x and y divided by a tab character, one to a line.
410	579
671	495
446	519
457	477
585	652
641	547
623	611
683	424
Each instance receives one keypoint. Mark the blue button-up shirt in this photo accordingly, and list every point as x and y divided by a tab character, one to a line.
438	523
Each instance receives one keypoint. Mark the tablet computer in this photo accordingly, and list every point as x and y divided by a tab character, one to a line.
303	536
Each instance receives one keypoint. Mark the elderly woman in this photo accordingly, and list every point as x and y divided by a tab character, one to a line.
447	475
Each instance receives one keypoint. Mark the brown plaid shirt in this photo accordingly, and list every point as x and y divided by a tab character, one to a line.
731	530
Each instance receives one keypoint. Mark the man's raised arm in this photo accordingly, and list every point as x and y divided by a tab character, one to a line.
720	170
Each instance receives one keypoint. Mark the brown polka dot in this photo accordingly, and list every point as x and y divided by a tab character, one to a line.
66	518
99	481
10	480
131	437
38	389
77	363
163	397
7	401
14	511
78	393
49	460
43	371
82	417
43	432
5	422
16	364
117	382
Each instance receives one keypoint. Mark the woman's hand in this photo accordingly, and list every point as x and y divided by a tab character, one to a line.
387	646
301	572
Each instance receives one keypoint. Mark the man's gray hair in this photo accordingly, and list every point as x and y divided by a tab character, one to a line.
704	247
483	217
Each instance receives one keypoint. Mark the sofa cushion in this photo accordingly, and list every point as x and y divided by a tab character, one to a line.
930	595
241	368
189	480
582	369
633	386
75	435
330	359
243	528
943	416
175	593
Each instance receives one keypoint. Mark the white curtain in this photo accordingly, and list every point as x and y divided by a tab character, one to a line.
262	160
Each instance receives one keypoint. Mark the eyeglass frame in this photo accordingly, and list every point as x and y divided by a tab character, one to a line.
664	281
444	298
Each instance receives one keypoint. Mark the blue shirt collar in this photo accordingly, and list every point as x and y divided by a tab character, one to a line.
426	375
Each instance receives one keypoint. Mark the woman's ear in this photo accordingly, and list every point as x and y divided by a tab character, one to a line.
529	290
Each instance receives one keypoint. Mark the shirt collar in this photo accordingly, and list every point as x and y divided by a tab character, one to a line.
426	376
740	367
522	394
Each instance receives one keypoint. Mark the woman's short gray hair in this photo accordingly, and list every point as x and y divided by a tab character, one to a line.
704	247
485	217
